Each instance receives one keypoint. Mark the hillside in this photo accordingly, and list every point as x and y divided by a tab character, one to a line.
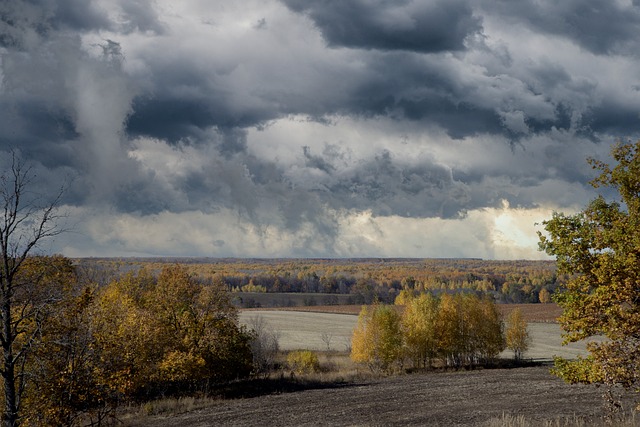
463	398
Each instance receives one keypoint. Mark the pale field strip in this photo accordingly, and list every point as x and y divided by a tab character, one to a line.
304	330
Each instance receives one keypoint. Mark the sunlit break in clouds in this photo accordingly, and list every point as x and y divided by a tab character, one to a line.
288	128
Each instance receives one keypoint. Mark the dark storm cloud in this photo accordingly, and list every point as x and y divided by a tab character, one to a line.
410	86
613	117
20	19
426	27
76	15
317	162
152	111
389	188
600	26
182	99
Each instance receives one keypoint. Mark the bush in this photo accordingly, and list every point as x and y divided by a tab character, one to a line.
303	362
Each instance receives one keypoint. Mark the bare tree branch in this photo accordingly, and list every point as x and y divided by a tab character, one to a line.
27	220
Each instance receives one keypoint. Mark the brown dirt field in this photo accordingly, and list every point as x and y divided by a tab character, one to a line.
530	312
535	313
463	398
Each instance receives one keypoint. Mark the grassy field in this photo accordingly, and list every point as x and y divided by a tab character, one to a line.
314	328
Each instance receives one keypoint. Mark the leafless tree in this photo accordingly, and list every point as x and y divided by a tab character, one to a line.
264	346
26	219
326	338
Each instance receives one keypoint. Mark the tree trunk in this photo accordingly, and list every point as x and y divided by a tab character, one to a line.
10	417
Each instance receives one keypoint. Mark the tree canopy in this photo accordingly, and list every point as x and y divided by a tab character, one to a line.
599	248
451	330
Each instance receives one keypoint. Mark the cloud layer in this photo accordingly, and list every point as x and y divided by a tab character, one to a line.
333	128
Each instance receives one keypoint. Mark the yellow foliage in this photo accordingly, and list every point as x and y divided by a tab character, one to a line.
404	297
582	370
419	328
180	366
544	296
517	334
460	329
377	338
303	362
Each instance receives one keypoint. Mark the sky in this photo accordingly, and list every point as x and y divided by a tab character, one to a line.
332	128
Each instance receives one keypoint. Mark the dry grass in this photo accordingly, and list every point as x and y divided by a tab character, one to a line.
508	420
335	368
138	415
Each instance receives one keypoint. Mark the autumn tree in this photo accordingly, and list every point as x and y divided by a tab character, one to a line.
26	219
377	338
127	338
155	335
469	330
486	332
206	341
419	329
451	330
63	388
404	297
599	248
517	334
544	296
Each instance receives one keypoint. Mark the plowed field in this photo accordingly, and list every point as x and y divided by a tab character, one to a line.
464	398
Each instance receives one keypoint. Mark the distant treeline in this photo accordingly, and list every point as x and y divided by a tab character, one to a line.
364	280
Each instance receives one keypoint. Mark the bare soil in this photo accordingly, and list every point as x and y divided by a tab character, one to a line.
462	398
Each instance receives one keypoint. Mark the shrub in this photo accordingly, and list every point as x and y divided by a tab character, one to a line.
303	362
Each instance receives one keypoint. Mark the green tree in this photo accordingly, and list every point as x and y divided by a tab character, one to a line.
599	248
517	333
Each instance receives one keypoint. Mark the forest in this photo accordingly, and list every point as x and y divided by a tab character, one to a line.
359	280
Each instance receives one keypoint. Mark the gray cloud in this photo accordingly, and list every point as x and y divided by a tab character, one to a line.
424	27
602	27
22	22
150	110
